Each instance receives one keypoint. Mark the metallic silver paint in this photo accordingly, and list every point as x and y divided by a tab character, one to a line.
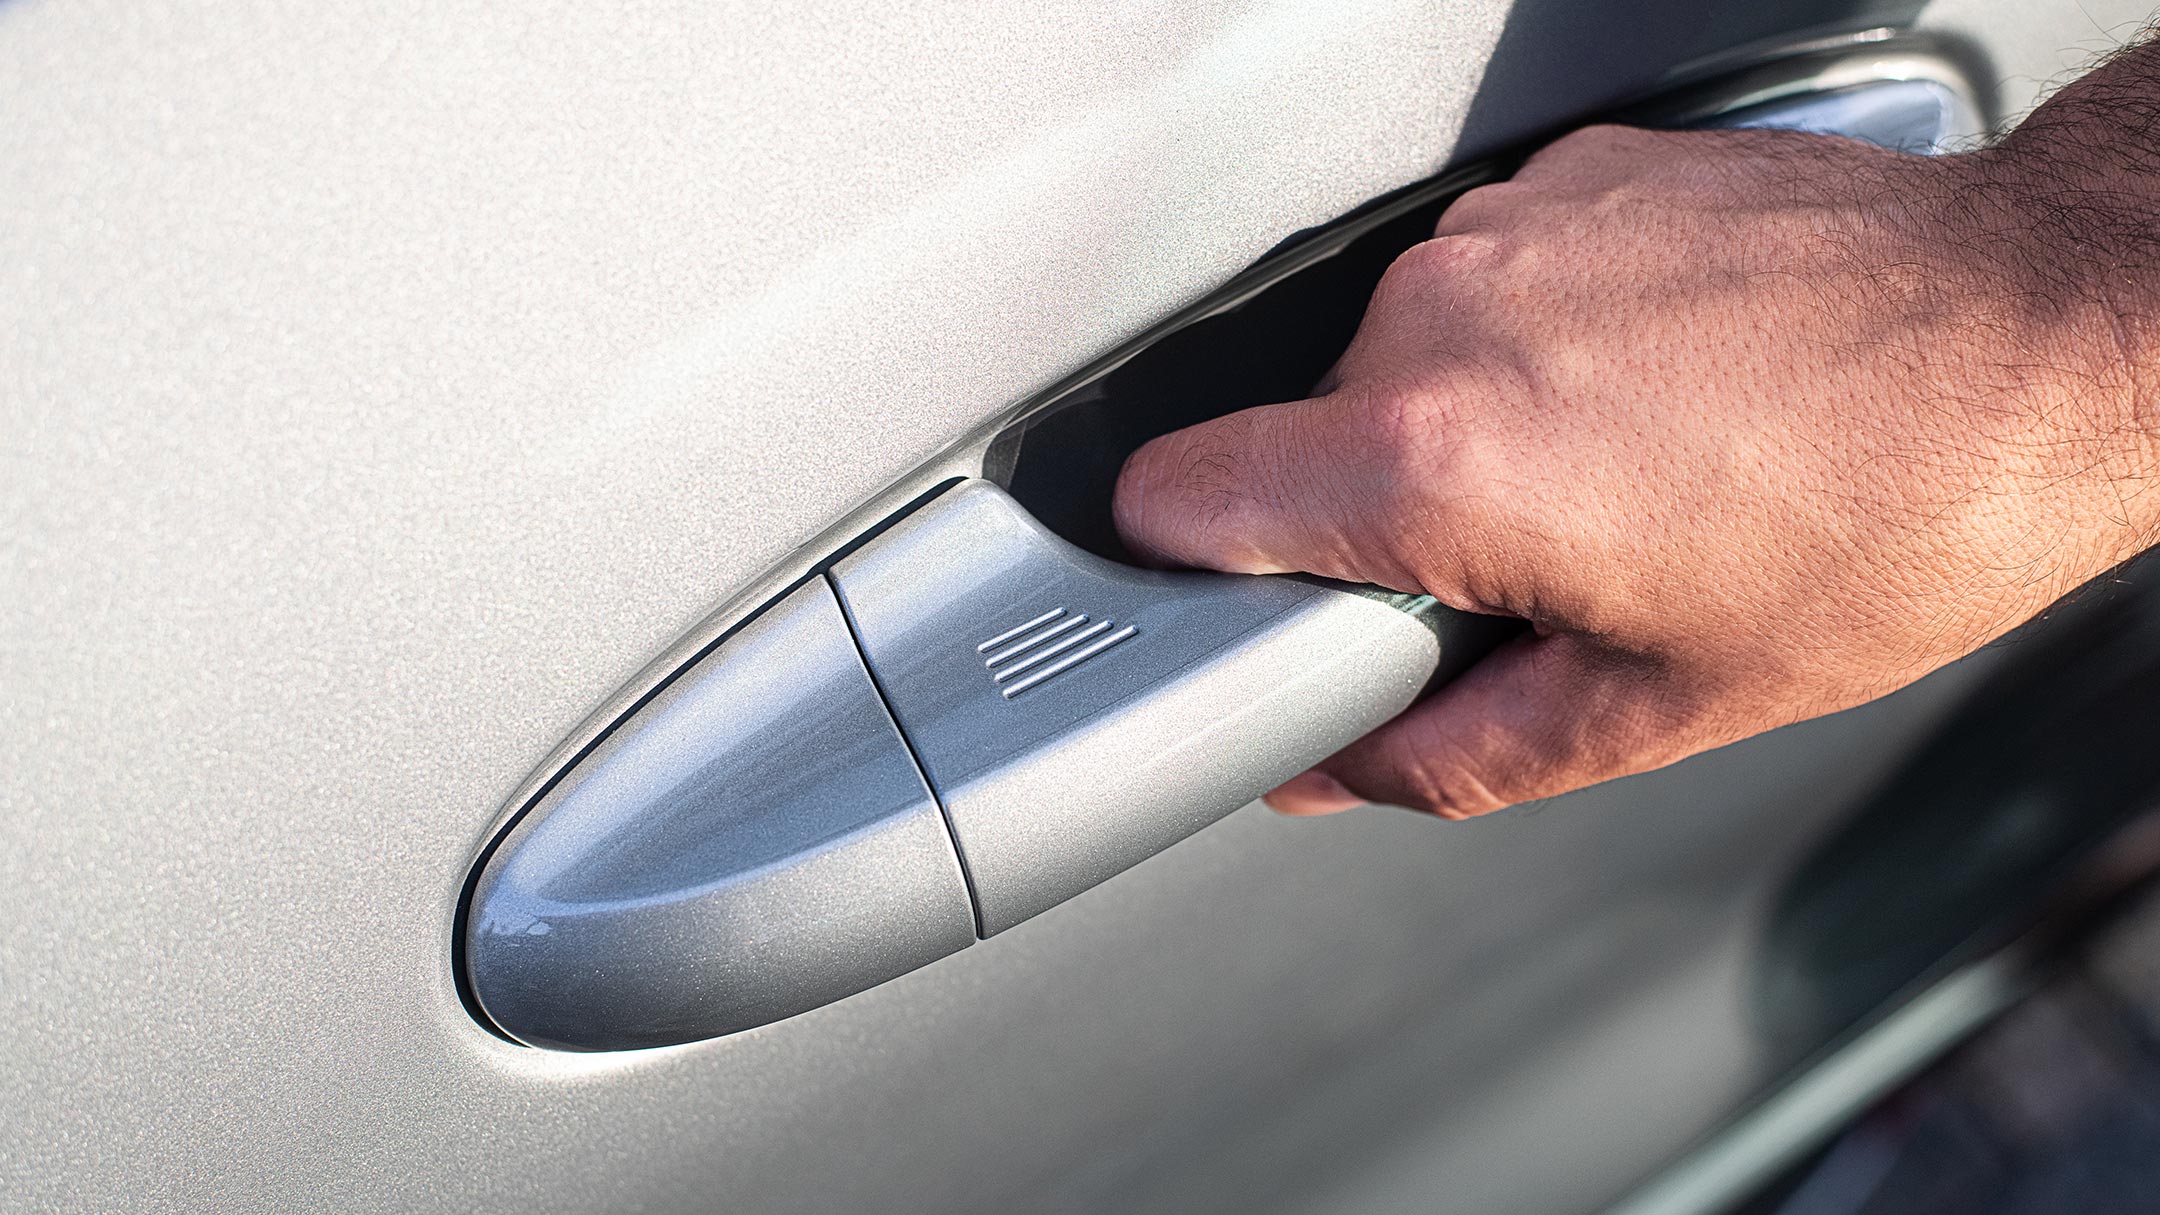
756	839
383	386
754	843
1228	686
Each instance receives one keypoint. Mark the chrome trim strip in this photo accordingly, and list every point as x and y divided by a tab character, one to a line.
1809	1109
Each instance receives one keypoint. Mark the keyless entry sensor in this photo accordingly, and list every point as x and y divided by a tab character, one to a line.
961	724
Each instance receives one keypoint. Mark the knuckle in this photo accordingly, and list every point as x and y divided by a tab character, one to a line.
1431	450
1388	414
1430	305
1613	136
1596	140
1404	431
1429	269
1437	782
1452	793
1402	286
1482	207
1440	258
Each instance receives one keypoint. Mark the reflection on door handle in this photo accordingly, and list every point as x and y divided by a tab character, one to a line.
1076	716
964	722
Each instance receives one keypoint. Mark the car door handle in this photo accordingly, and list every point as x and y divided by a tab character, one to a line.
965	719
956	726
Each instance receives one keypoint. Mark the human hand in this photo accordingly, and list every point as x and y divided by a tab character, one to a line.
1751	426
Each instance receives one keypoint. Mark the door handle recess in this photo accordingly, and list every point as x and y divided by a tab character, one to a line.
959	725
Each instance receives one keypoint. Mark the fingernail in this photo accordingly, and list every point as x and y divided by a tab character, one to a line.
1313	792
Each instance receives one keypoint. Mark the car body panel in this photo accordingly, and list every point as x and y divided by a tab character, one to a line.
387	386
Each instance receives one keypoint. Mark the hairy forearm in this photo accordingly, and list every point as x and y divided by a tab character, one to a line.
2075	194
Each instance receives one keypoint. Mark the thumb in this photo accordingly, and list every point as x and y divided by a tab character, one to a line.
1276	489
1536	718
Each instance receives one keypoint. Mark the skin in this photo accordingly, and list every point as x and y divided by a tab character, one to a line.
1750	426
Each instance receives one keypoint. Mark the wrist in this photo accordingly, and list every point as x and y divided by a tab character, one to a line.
2063	244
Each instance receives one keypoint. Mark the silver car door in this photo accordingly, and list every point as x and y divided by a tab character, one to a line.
388	386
